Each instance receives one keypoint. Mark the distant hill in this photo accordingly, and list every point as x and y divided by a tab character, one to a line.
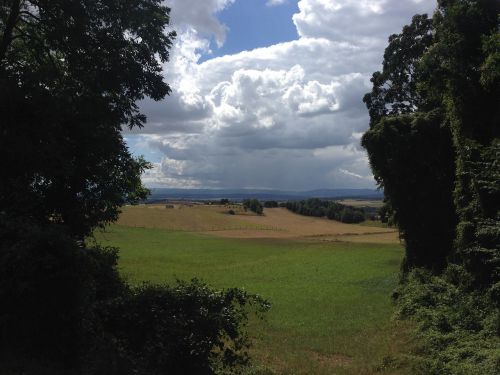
159	194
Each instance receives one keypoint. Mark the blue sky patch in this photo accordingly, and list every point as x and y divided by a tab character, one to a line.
253	24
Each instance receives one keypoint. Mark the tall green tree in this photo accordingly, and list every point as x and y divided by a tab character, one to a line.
434	133
447	146
71	73
410	149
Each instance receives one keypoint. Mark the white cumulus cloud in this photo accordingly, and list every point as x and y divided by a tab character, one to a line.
285	116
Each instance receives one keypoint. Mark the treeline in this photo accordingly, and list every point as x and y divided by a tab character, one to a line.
434	147
329	209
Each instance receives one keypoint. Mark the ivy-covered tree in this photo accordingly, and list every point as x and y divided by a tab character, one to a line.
434	136
464	66
410	149
436	152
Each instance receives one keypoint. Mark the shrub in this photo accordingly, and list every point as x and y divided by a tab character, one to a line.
458	327
186	328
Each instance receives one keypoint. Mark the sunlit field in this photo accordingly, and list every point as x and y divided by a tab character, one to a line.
275	223
331	308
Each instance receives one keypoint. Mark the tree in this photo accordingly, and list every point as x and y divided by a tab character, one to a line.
71	74
433	138
433	131
457	83
466	57
253	205
410	149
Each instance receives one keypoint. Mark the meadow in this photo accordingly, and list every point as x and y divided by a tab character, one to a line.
331	308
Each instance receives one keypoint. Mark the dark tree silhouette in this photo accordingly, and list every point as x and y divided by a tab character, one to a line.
71	73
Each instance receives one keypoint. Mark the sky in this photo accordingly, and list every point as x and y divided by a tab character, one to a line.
268	93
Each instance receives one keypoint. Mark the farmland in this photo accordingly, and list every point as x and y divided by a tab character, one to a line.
329	283
276	223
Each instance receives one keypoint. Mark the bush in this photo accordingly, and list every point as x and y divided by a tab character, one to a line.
231	212
186	328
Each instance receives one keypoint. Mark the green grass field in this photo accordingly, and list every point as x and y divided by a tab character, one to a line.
331	309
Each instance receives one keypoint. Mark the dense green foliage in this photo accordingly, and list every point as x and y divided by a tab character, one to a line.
434	145
410	150
458	326
72	73
253	205
323	208
186	328
467	39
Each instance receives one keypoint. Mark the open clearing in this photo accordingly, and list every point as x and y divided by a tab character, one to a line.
331	309
275	223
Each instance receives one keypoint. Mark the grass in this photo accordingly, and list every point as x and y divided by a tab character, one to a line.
330	301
